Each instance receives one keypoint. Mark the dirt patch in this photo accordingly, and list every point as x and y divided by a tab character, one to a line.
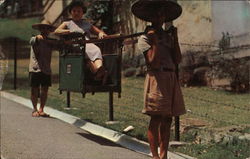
190	123
203	134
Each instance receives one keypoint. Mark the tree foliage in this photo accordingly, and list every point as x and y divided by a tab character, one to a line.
99	13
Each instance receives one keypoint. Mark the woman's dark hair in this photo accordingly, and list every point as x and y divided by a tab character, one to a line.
77	4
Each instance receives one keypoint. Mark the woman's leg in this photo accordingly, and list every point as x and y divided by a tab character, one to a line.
98	63
164	135
95	65
153	135
93	53
98	70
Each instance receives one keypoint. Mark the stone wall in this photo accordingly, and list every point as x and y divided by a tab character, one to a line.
195	24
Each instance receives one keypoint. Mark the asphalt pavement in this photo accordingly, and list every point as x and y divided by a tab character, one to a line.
62	136
26	137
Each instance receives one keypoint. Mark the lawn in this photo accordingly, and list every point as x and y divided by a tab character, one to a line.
208	112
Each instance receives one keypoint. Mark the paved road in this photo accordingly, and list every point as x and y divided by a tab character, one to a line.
26	137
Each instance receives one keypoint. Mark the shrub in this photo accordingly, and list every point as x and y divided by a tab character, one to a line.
193	69
236	70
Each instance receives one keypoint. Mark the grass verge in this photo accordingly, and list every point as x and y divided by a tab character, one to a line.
214	109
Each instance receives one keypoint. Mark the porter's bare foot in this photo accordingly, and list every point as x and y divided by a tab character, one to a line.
35	113
42	114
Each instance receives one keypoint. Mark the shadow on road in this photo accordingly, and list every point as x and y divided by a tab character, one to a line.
98	140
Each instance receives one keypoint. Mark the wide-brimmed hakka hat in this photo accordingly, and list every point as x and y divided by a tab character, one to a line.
147	9
44	25
75	4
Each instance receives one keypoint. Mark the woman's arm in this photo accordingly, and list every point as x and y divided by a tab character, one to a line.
98	32
152	54
61	29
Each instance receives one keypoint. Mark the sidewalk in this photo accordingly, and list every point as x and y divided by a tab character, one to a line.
116	137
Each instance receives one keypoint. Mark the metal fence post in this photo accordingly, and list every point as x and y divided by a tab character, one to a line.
15	64
111	110
249	78
177	128
68	99
177	118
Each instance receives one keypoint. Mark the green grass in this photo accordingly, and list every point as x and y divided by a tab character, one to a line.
216	108
223	108
238	149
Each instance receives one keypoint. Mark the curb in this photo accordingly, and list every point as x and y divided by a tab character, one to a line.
1	157
114	136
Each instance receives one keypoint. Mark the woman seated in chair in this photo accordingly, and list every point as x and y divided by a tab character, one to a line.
77	24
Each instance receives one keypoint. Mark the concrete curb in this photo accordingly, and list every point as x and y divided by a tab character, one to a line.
2	157
114	136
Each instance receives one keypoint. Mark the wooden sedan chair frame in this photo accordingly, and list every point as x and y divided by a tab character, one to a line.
73	75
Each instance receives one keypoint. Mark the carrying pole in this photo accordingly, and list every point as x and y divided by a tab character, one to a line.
176	118
15	64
